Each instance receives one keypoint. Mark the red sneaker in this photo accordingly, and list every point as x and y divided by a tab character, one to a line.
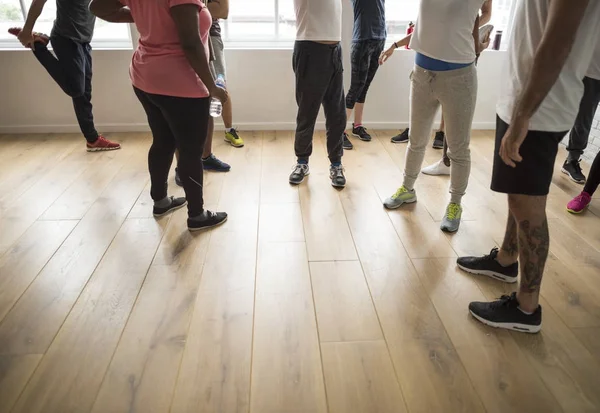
37	37
102	144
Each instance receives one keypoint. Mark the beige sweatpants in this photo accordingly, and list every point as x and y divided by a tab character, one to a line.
456	91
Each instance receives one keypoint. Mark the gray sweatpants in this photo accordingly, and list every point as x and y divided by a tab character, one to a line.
456	91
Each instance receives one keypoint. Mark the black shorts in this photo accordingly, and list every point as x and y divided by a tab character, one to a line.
533	175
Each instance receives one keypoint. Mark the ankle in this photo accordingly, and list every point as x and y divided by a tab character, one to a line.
506	259
528	302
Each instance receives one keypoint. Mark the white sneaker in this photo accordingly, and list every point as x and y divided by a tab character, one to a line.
438	168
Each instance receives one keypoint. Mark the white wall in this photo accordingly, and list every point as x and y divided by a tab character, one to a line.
261	83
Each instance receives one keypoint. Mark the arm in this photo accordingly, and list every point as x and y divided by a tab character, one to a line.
385	55
486	13
34	12
187	22
564	18
558	38
219	9
476	36
111	10
403	42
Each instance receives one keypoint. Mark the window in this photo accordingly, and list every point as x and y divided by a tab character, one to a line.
260	21
502	15
398	15
10	15
106	35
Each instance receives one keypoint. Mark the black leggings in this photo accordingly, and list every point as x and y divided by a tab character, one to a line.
177	123
594	179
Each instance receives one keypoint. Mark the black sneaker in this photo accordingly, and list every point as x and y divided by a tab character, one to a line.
347	144
401	137
438	140
176	203
573	170
178	178
207	219
336	174
212	163
505	313
487	265
361	133
300	171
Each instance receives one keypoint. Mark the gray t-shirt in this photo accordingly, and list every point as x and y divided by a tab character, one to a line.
74	20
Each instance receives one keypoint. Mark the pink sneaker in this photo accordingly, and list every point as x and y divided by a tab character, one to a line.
579	203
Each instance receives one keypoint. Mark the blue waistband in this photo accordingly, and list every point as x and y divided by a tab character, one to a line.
436	65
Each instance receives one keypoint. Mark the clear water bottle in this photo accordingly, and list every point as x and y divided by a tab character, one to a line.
216	107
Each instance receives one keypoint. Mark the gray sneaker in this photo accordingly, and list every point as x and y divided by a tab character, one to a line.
336	173
298	173
451	220
402	196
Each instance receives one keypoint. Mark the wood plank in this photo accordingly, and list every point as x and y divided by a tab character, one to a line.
69	376
590	337
286	373
360	378
281	223
560	359
74	202
14	373
36	318
499	370
22	263
343	303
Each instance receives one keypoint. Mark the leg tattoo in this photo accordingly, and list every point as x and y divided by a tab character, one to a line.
534	243
511	237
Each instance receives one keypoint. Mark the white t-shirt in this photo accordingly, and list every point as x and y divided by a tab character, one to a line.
559	109
444	30
594	69
318	20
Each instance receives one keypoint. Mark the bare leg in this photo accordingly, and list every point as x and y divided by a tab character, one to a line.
509	253
227	116
358	113
534	244
209	138
349	113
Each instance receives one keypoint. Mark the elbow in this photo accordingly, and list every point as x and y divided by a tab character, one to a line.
96	9
224	12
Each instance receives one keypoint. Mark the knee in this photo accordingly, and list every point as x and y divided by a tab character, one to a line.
460	157
527	207
75	90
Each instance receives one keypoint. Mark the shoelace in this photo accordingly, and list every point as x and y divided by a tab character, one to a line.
400	191
452	211
338	171
234	131
299	168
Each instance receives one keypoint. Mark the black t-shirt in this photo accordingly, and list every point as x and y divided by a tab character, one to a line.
74	20
369	20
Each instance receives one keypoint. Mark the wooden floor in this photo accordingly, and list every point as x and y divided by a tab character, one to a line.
307	300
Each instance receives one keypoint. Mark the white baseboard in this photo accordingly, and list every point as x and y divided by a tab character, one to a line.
143	127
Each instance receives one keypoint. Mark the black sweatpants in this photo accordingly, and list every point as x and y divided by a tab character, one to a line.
71	69
182	124
591	185
578	138
319	81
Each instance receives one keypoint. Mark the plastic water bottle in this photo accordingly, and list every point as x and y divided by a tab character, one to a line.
216	107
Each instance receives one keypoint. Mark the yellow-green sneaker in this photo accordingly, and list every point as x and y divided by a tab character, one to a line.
233	138
402	196
451	220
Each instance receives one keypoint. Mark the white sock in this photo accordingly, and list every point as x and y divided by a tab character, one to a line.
524	312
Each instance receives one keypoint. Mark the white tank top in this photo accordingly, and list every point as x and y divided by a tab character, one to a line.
444	30
318	20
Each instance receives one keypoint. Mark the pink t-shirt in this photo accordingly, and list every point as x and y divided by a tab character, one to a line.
159	65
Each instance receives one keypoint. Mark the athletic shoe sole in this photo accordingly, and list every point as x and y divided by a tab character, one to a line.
522	328
393	141
450	230
170	210
412	201
564	171
438	146
298	183
215	169
360	137
572	211
491	274
208	227
102	149
337	185
348	148
434	173
233	144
